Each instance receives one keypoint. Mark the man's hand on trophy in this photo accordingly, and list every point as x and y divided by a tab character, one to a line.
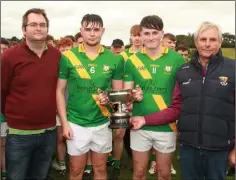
137	93
137	122
102	98
129	107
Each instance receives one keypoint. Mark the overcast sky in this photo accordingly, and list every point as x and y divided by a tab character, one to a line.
180	17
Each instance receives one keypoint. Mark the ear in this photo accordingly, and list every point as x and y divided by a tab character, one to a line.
195	42
103	30
81	30
162	34
23	30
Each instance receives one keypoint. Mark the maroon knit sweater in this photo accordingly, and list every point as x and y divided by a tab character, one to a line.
28	87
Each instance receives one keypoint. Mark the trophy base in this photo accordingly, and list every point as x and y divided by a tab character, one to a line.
120	122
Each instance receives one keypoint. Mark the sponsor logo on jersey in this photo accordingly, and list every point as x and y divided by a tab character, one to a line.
168	69
141	68
106	68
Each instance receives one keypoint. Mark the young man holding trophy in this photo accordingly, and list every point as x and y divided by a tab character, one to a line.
153	69
87	69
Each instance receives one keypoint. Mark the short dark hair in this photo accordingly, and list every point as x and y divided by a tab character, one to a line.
77	36
49	37
70	37
92	18
152	22
182	48
169	36
117	43
5	42
35	11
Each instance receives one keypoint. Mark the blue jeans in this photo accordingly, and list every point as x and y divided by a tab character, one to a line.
198	164
29	156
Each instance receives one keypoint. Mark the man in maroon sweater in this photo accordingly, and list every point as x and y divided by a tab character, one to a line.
28	86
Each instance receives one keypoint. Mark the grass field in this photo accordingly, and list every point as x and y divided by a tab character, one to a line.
126	172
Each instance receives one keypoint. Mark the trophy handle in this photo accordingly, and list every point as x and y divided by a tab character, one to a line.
99	91
132	100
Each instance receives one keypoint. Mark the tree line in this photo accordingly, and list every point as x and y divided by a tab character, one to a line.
188	40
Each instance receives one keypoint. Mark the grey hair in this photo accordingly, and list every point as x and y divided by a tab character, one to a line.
207	25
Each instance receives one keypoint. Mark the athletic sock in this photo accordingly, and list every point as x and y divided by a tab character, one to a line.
88	167
116	163
110	157
153	157
4	174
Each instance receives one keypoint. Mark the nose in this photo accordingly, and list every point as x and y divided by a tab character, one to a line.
92	33
208	43
151	37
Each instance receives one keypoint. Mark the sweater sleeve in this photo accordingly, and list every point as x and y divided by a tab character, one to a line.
169	114
7	74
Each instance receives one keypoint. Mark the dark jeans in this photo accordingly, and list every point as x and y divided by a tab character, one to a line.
197	164
29	156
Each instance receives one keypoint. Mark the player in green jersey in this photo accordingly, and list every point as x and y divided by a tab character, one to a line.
4	128
85	121
122	136
153	69
136	42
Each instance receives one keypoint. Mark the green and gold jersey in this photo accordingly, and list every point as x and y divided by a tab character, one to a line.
127	53
84	76
156	77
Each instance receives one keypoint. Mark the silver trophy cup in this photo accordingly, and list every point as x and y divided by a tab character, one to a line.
118	100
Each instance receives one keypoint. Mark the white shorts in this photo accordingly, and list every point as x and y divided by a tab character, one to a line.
58	120
97	139
4	129
142	140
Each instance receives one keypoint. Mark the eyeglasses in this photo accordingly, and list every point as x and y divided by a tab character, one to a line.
35	25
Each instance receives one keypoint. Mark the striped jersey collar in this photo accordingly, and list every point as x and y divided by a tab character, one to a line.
81	48
164	50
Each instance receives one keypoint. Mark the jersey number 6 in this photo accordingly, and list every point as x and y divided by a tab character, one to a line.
92	70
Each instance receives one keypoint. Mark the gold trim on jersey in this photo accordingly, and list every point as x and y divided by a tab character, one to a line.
82	72
125	56
140	67
103	109
100	50
131	51
162	105
164	50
